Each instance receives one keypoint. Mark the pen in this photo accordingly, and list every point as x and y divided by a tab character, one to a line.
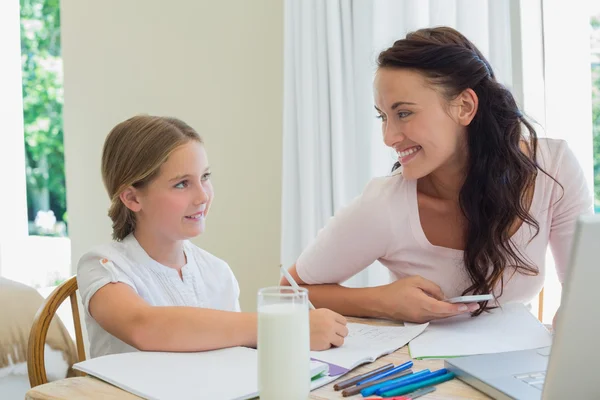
371	390
416	379
353	381
415	386
293	283
357	389
392	371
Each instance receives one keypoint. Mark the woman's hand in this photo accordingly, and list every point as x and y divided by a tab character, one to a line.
415	299
327	329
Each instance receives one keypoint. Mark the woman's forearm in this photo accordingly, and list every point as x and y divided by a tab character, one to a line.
352	302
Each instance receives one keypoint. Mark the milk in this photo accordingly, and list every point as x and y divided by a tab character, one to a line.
283	351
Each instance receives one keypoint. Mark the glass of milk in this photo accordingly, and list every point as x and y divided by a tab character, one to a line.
283	344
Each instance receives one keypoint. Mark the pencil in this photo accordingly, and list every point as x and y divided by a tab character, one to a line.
293	283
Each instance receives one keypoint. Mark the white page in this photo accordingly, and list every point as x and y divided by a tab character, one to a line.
509	328
366	343
219	374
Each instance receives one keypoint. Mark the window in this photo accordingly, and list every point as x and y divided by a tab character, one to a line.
46	262
42	111
567	55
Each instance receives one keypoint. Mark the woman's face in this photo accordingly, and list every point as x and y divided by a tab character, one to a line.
426	130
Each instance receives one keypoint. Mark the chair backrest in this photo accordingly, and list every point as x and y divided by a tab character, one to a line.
37	338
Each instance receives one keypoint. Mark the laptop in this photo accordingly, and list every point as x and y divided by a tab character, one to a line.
567	370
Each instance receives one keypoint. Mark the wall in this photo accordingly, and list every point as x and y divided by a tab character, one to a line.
218	65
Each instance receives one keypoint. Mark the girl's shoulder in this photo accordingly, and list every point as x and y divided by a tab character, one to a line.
121	250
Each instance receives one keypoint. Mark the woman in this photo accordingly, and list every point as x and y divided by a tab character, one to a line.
472	204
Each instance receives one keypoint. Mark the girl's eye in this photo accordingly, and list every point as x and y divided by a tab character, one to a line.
381	117
206	176
404	114
182	185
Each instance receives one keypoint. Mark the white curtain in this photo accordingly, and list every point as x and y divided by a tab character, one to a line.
332	142
325	142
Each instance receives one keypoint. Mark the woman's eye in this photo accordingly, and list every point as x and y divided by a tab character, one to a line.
206	176
381	117
404	114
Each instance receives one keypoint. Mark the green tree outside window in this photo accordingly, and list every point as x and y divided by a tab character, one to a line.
42	108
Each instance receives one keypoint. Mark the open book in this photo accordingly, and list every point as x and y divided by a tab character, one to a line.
232	373
366	343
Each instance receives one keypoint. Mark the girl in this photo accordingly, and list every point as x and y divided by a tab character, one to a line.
474	205
151	289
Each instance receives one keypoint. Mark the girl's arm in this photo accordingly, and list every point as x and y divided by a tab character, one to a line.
125	315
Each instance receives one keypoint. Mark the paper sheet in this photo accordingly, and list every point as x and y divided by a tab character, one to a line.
509	328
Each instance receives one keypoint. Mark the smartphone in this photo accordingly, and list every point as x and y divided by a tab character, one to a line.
471	299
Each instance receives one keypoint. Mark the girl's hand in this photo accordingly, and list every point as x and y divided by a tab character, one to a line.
327	329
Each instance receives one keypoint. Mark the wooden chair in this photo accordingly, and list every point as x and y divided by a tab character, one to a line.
541	305
39	330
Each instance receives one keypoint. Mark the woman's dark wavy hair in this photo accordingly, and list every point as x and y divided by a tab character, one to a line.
499	173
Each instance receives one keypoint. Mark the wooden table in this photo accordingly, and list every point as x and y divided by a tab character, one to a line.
94	389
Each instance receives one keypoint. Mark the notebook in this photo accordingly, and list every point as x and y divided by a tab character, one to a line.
366	343
211	374
156	375
509	328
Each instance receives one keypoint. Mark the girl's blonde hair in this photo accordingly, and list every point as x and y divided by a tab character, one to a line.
132	155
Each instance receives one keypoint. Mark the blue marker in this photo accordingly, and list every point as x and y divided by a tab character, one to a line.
416	379
371	390
387	373
415	386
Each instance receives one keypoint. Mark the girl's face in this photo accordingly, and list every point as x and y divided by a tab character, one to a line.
176	202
